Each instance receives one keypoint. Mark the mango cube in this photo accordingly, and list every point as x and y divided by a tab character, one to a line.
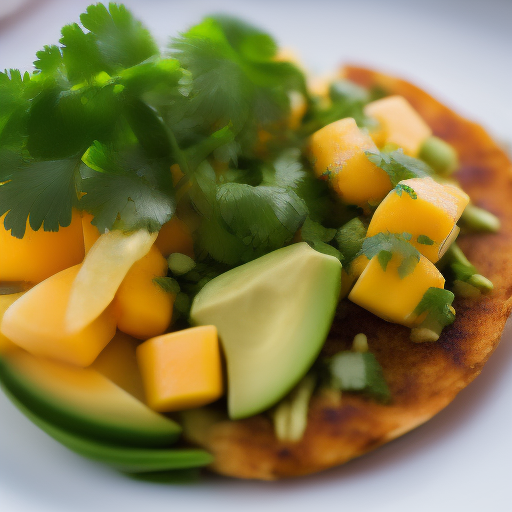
390	297
175	237
5	302
37	323
337	153
40	254
181	370
144	309
400	124
432	214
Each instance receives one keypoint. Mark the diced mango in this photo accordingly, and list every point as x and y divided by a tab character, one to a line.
40	254
434	214
91	233
181	370
37	323
175	237
118	362
144	309
387	295
402	125
337	153
5	302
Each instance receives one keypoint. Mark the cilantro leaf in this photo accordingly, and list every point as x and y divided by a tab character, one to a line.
401	187
385	245
121	40
235	78
425	240
317	236
42	192
124	189
350	238
398	166
436	302
49	59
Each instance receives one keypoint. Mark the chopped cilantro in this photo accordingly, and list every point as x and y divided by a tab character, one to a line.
425	240
318	237
407	189
350	238
385	245
398	166
436	302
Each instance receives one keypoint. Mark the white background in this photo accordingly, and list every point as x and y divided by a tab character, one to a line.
461	51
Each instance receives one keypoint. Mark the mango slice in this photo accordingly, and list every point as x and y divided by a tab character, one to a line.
431	217
37	323
5	302
84	402
144	308
40	254
181	370
401	125
337	153
390	297
118	363
101	274
175	237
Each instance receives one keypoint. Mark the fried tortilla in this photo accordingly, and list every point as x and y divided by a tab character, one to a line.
423	378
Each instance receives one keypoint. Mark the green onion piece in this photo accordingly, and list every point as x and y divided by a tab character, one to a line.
291	415
358	371
480	220
180	264
440	155
360	343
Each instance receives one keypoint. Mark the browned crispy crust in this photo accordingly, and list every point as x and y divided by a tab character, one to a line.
423	378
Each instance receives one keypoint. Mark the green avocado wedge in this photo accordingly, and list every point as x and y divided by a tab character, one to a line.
273	315
85	402
125	459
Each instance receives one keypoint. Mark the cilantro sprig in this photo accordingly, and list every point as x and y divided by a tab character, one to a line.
436	303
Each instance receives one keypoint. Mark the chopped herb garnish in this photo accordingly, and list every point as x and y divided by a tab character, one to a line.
168	284
399	167
318	237
407	189
425	240
359	371
436	303
385	245
350	238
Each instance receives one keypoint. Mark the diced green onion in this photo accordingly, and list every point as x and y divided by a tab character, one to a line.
180	264
440	155
478	219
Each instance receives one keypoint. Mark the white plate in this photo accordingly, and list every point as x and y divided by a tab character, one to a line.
460	460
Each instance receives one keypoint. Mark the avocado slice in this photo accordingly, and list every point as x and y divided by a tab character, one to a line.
273	315
126	459
84	401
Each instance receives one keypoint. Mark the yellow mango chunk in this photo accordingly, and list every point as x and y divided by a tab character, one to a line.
144	309
37	323
434	214
337	153
91	233
118	363
181	370
175	237
5	302
400	123
390	297
40	254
